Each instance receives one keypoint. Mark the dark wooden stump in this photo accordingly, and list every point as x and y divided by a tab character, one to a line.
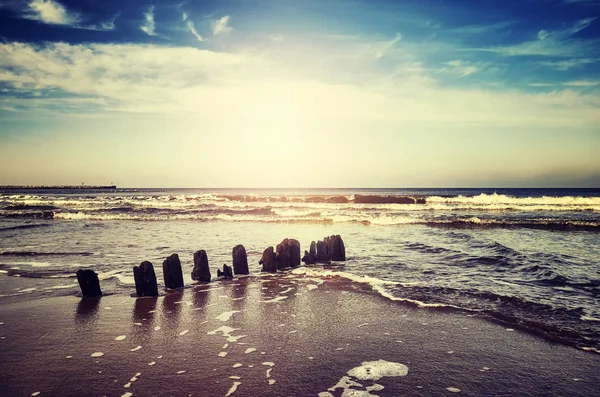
89	283
226	273
145	279
172	272
269	261
240	260
201	270
337	251
322	252
294	252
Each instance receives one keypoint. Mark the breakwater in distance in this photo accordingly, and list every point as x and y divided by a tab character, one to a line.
56	187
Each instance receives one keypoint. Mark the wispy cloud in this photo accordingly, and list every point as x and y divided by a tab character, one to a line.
192	29
460	68
382	49
582	83
148	26
552	43
50	12
569	63
479	29
276	37
220	26
190	25
102	26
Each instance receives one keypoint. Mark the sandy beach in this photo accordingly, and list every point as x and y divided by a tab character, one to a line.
284	335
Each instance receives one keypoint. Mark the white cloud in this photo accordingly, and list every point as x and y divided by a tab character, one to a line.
552	43
50	12
149	27
103	26
249	89
190	25
276	37
569	63
582	83
192	29
220	26
382	49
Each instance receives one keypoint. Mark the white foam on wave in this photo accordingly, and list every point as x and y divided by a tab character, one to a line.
312	286
501	199
237	365
250	350
135	349
226	316
367	371
589	318
591	349
97	354
375	370
453	389
121	337
223	354
184	332
376	284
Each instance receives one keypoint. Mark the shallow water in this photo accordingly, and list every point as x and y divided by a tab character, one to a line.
527	257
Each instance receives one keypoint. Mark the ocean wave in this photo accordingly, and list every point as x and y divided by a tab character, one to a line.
501	199
270	215
45	206
554	323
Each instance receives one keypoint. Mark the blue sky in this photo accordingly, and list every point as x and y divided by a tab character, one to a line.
282	93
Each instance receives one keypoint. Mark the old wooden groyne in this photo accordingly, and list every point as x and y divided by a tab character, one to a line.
285	255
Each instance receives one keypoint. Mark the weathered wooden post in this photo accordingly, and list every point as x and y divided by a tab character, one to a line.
145	279
89	283
294	252
201	270
172	272
322	252
337	251
269	261
240	260
226	273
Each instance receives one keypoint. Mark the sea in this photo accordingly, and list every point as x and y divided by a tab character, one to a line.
528	258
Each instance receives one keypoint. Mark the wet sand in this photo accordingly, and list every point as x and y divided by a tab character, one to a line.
275	336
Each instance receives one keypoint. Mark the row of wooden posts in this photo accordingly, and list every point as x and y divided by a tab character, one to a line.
286	254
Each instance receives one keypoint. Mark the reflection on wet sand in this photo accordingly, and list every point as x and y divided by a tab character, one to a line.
143	312
171	309
87	310
201	298
239	295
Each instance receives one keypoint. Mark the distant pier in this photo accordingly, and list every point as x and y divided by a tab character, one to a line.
57	187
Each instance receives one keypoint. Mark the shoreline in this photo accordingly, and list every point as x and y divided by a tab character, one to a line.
306	334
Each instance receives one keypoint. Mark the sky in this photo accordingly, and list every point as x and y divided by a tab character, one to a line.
300	93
